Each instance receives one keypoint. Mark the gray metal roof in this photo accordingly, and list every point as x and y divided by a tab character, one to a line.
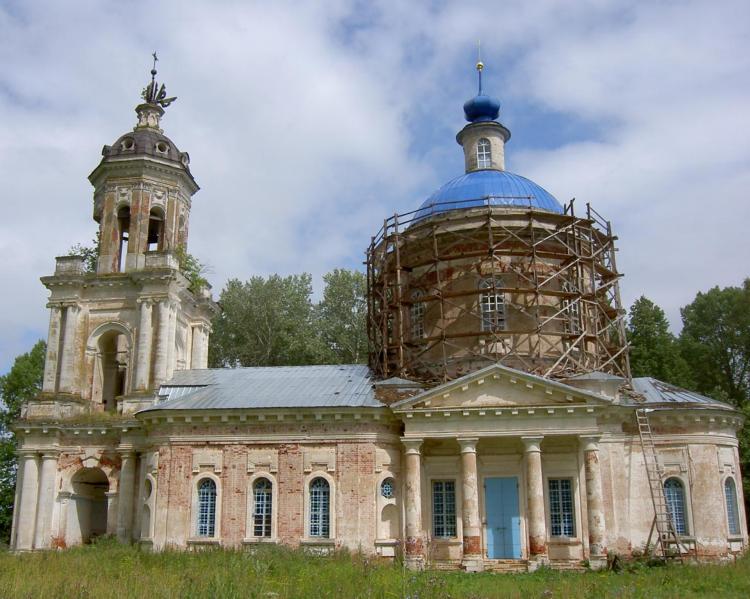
654	391
339	386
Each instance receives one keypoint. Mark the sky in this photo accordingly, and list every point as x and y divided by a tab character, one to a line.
307	123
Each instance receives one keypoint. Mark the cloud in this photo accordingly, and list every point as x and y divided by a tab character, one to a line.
308	123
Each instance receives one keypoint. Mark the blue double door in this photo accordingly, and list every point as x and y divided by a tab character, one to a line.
503	518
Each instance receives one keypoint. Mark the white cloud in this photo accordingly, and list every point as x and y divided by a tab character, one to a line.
308	123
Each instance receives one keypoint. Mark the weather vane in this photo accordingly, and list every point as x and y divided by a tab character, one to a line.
152	93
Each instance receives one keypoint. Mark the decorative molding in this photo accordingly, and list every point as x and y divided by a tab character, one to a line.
208	458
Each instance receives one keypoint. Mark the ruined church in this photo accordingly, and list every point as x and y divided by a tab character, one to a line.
496	426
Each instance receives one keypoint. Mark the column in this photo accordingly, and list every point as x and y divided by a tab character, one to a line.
69	349
143	358
162	338
594	502
125	499
171	359
46	501
198	358
28	500
53	346
472	560
535	516
413	504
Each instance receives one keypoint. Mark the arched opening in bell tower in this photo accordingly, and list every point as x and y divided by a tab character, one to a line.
111	368
155	230
123	229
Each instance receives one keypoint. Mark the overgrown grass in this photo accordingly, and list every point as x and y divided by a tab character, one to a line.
109	570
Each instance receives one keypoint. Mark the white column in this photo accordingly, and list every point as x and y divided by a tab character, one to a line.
53	346
535	515
28	500
413	504
162	339
143	358
472	534
199	353
205	331
46	501
171	358
594	502
125	499
69	349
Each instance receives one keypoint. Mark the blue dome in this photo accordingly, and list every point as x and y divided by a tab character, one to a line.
496	188
481	108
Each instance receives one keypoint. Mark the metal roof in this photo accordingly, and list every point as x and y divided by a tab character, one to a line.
339	386
488	187
654	391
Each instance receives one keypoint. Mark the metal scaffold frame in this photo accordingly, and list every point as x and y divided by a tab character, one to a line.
556	275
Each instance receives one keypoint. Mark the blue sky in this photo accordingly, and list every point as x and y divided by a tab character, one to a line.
307	123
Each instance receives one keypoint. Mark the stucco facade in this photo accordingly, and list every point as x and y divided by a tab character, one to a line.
489	435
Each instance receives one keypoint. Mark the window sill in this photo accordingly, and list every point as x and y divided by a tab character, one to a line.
564	541
260	541
386	542
735	538
447	540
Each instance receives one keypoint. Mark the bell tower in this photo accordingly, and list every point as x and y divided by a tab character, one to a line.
117	333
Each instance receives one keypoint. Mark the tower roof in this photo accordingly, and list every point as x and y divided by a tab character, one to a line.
481	107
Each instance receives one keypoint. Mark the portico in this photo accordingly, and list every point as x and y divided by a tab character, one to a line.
503	465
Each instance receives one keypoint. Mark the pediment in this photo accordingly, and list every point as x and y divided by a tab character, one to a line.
499	387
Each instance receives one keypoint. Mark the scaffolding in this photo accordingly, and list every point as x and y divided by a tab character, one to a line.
457	286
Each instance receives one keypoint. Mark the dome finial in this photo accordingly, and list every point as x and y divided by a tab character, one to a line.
480	65
152	93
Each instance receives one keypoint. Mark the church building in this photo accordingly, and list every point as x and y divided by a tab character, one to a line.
496	426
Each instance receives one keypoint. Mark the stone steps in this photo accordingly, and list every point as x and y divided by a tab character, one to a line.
506	565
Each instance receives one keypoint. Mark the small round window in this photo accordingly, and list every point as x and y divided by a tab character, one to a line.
162	147
388	488
127	143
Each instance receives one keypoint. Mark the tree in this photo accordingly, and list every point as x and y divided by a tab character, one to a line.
22	383
715	342
654	351
342	316
90	253
265	322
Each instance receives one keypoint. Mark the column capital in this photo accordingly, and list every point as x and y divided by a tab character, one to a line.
127	452
50	454
27	453
532	444
412	446
590	442
468	444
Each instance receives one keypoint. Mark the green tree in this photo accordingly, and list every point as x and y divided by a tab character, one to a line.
265	322
342	317
715	342
90	253
654	351
23	382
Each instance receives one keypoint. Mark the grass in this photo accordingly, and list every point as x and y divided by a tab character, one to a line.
109	570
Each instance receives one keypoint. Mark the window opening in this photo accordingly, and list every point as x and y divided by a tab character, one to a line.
484	153
320	506
206	508
674	492
262	507
155	230
416	314
387	488
562	523
444	508
492	303
123	227
572	310
733	514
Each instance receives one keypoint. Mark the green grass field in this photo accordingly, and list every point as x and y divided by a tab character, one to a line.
108	570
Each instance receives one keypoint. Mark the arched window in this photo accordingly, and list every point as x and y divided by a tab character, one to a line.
416	314
320	506
262	507
733	513
123	226
155	230
484	153
492	304
206	508
674	493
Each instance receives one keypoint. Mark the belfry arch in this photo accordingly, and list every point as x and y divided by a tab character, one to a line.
88	518
110	349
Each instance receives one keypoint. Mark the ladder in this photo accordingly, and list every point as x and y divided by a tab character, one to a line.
663	522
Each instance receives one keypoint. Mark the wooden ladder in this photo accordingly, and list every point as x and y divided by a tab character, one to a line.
666	535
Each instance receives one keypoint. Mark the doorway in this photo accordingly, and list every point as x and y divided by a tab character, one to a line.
89	518
503	528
